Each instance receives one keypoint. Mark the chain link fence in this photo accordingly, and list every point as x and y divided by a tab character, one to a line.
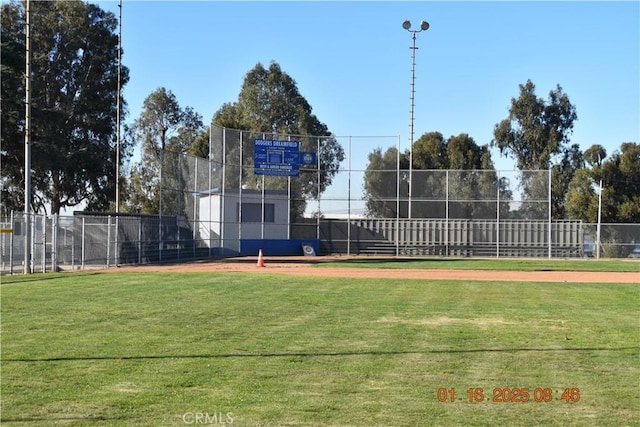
333	196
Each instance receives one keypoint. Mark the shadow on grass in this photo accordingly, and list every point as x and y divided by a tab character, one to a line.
40	277
55	419
311	354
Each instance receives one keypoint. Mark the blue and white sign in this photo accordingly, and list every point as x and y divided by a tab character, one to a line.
308	159
276	157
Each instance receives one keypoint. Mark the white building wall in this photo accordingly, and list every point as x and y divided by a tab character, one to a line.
209	220
226	232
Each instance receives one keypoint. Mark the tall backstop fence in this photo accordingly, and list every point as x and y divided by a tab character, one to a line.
336	195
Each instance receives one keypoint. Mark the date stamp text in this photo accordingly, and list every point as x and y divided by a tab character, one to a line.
509	395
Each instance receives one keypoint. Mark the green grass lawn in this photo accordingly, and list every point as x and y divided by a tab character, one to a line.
170	349
502	264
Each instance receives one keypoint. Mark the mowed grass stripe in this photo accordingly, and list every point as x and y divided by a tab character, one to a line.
501	264
148	348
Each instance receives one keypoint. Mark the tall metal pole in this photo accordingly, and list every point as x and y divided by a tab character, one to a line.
27	144
118	96
349	199
411	133
549	224
598	237
599	210
424	25
397	232
118	109
160	201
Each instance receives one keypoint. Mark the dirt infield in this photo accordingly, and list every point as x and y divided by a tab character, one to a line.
303	267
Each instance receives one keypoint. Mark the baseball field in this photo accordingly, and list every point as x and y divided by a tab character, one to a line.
328	342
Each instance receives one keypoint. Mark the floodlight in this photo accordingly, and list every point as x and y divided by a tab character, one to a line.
424	25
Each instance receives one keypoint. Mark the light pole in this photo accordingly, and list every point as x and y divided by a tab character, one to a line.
27	143
424	25
118	108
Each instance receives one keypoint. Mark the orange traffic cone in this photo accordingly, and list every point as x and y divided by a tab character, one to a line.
260	259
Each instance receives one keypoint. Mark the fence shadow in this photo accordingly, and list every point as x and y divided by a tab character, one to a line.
267	355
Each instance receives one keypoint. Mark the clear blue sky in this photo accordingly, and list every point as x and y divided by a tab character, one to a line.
352	62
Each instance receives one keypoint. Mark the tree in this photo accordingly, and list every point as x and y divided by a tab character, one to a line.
535	132
381	183
562	174
430	152
270	104
582	200
199	147
620	178
456	164
74	71
594	155
620	175
165	131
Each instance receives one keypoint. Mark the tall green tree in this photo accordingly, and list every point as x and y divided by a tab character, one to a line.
199	147
165	131
74	71
562	174
380	184
535	130
536	133
457	165
270	105
620	176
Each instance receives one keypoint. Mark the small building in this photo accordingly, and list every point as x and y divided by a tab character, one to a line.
237	222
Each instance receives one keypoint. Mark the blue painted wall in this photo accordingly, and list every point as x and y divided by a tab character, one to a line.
274	247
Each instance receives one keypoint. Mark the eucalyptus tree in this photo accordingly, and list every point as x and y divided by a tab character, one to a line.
535	130
165	131
451	176
618	178
562	173
270	104
74	69
536	133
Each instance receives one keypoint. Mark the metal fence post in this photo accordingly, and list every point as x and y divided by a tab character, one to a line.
549	203
498	217
139	240
108	239
397	234
54	243
319	214
446	215
73	246
32	258
82	253
116	256
349	199
196	215
43	259
178	241
11	247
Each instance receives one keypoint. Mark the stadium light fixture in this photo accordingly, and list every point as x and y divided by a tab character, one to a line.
424	25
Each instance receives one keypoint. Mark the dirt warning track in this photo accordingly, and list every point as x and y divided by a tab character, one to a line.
303	267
